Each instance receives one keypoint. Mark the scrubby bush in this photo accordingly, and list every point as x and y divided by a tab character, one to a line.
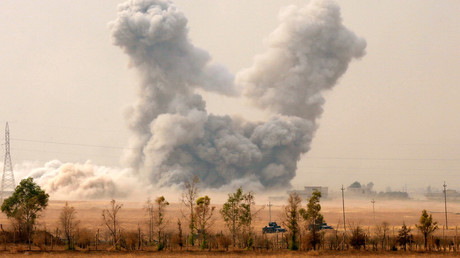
129	240
84	237
358	238
404	236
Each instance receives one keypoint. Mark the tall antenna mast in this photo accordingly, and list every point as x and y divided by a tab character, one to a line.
8	176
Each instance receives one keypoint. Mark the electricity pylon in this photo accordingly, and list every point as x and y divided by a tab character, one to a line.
8	176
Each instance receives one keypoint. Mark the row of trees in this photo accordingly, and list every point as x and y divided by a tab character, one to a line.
24	206
238	213
311	218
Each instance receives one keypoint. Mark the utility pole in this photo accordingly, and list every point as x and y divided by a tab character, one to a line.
343	208
269	212
445	201
344	224
373	209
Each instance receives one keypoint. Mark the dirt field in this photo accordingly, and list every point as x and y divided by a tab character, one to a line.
357	211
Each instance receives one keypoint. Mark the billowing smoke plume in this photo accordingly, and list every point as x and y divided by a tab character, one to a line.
174	137
307	54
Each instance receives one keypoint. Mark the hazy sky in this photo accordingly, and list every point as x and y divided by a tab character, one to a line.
393	118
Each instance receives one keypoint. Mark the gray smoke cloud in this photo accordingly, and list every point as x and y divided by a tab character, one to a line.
307	53
173	135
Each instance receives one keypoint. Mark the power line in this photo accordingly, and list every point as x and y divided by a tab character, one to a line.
398	174
79	128
63	153
308	158
400	159
391	169
72	144
323	143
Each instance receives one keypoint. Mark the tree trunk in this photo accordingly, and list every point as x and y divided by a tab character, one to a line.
426	240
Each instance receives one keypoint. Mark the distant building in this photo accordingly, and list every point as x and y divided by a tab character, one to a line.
307	192
393	195
358	190
451	195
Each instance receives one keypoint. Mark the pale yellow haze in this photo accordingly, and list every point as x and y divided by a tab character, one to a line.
393	118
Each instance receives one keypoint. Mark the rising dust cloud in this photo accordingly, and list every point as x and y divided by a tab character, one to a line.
173	135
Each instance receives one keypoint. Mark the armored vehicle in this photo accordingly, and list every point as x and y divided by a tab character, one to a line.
273	228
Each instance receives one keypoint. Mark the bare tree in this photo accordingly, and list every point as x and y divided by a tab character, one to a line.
160	222
382	232
111	220
69	223
189	200
150	210
204	213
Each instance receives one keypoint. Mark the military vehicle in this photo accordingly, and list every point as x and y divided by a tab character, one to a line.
273	228
320	226
325	226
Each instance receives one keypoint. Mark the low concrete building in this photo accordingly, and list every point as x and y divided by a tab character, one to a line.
358	190
307	192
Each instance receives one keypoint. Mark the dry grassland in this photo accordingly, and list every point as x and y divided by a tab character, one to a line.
357	212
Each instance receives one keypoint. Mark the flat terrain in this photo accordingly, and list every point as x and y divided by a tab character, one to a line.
357	212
